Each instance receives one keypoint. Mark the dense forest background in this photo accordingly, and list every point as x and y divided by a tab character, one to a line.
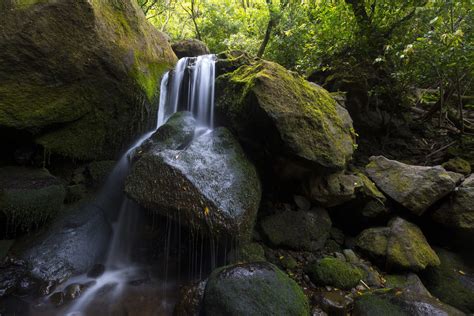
414	54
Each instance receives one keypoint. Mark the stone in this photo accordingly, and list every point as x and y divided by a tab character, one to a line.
209	184
350	255
29	197
452	281
98	171
298	230
253	289
401	245
414	187
409	283
335	302
458	211
82	77
458	165
334	272
190	299
302	203
5	246
266	106
250	252
190	48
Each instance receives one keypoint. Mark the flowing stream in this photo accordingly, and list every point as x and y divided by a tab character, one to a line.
120	269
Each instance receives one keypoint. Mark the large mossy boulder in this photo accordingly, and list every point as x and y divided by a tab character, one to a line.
206	182
29	197
273	110
253	289
300	230
82	77
414	187
452	281
458	211
335	272
400	246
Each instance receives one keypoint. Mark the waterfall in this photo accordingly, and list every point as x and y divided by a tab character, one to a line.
197	97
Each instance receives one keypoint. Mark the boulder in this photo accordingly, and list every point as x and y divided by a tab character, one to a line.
190	48
335	272
208	183
401	245
399	303
414	187
458	211
273	110
75	74
253	289
458	165
29	197
409	283
452	281
249	252
98	171
300	230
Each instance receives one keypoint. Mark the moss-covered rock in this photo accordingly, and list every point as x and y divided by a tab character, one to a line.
271	109
301	230
98	171
253	289
458	165
29	197
190	48
452	281
415	187
335	272
401	245
75	74
458	211
209	184
249	252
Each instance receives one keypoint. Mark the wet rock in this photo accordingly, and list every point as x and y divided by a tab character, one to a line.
334	272
283	113
96	271
210	185
415	187
458	165
401	245
57	299
458	211
190	48
29	197
190	299
298	230
73	243
409	283
253	289
251	252
452	281
73	291
395	303
98	171
335	302
79	103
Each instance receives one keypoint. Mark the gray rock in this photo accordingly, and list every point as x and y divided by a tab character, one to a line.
415	187
190	48
402	245
209	184
253	289
298	230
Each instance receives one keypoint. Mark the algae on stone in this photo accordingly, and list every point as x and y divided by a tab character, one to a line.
335	272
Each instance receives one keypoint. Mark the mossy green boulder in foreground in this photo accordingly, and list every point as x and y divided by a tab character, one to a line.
414	187
207	182
29	197
335	272
400	246
81	76
273	110
253	289
458	165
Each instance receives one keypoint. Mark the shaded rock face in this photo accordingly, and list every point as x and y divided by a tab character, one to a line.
272	110
253	289
190	48
301	230
73	243
400	304
208	184
29	197
452	281
458	211
400	246
415	187
107	62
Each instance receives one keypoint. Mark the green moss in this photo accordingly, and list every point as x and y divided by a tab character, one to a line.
458	165
250	252
372	304
334	272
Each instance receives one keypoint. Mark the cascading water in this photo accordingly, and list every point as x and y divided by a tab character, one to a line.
198	98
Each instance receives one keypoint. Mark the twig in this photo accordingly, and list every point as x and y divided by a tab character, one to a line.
441	149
